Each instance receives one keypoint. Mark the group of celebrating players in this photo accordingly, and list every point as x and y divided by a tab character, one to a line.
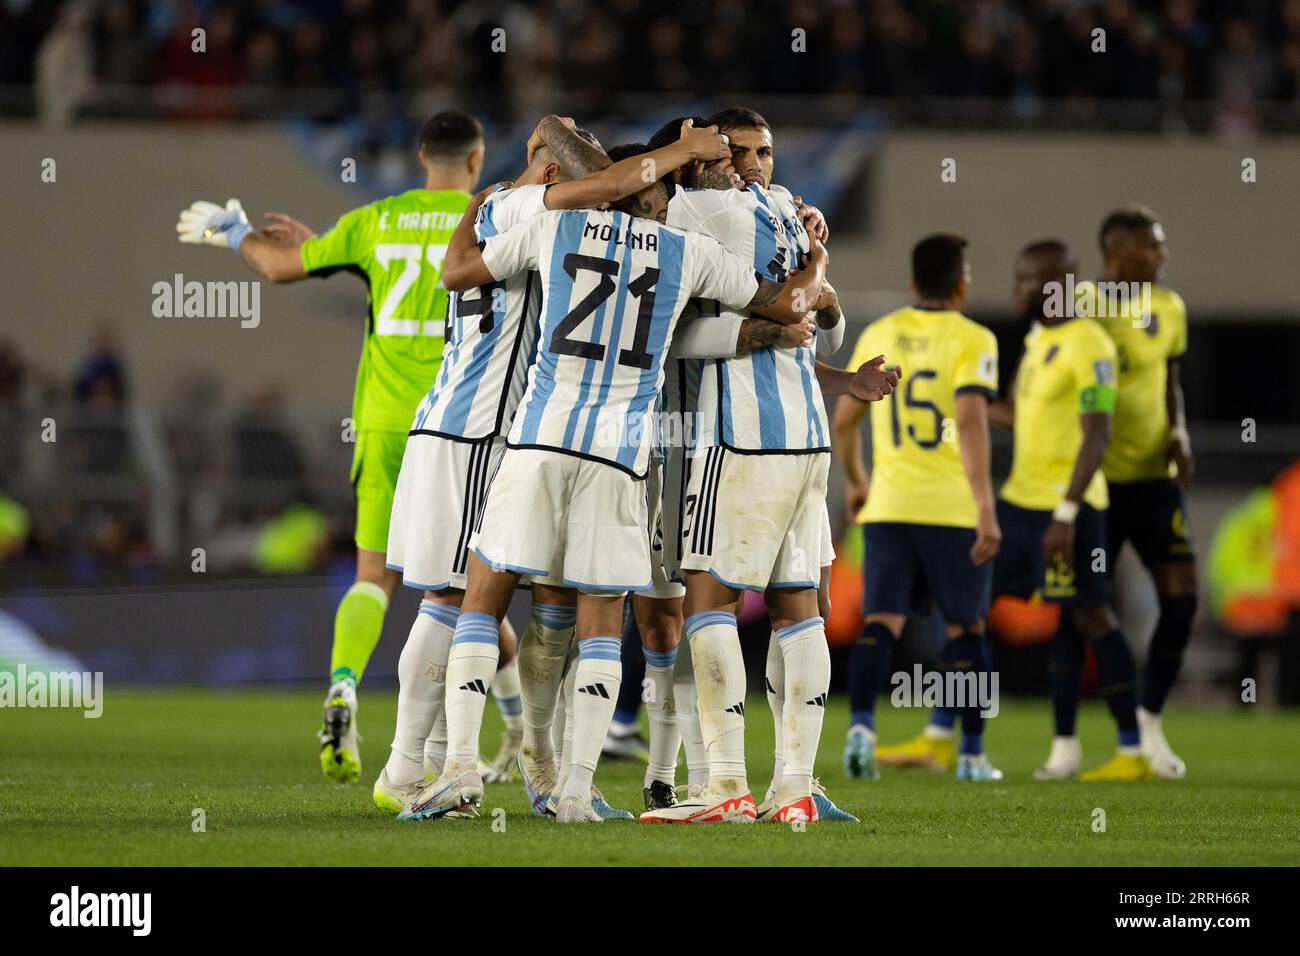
623	394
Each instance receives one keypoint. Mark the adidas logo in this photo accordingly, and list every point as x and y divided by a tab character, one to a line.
476	686
596	690
818	701
737	709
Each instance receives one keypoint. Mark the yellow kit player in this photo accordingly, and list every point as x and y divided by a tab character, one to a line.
1052	509
397	245
930	528
1149	461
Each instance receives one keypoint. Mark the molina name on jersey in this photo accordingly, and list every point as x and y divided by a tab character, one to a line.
613	288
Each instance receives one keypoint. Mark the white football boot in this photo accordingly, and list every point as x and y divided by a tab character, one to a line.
1064	761
1160	756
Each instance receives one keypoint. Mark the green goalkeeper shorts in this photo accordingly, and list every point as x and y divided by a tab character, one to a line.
376	462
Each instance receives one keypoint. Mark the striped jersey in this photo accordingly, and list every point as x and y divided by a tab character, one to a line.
768	399
613	287
491	337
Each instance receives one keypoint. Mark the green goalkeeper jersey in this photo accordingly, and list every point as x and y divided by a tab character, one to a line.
398	245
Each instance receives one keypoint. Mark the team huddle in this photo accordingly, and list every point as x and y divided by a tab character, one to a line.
604	381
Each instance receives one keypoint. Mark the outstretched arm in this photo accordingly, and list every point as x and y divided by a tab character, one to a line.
279	260
274	257
870	383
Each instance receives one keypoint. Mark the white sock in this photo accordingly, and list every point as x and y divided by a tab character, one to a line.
665	739
774	680
688	718
808	680
562	729
543	647
505	689
470	668
422	687
720	686
597	679
435	748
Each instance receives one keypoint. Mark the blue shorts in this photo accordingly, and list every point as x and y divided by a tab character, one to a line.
1152	515
908	567
1021	570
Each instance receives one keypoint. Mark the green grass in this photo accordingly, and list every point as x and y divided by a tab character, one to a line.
120	790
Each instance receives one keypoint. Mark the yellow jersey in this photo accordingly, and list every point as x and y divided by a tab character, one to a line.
1148	330
916	472
1066	370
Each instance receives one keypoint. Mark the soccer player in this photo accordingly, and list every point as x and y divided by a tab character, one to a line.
1149	462
755	518
1052	507
566	503
397	245
930	527
456	443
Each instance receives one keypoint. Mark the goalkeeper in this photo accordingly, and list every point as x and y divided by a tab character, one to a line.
397	245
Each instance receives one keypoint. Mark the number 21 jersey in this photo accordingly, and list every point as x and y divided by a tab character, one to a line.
613	287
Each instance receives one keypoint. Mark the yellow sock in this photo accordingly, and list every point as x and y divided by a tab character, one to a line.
357	626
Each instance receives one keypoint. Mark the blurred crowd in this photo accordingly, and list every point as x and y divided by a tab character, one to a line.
90	480
1235	56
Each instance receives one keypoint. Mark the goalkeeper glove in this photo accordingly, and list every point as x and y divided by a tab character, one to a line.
206	222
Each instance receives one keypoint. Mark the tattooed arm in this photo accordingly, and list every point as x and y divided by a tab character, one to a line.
730	335
788	302
576	156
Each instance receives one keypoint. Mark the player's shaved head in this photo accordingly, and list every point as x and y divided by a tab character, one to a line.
939	266
545	168
449	137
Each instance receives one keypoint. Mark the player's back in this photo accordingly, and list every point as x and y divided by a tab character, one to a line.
916	474
398	244
767	399
613	287
491	336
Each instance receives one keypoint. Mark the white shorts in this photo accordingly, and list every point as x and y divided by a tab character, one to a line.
757	521
439	497
567	521
828	538
665	554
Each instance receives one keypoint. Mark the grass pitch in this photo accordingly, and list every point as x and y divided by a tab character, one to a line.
123	790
